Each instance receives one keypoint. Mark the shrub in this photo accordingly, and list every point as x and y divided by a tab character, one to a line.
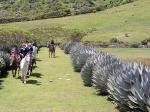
114	40
135	45
76	36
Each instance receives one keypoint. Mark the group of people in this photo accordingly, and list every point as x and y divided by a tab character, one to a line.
17	54
22	59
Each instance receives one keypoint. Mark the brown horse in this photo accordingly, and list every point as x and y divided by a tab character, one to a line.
14	62
51	50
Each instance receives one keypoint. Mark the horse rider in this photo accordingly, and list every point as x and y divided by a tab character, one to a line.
23	50
15	52
52	43
14	60
30	48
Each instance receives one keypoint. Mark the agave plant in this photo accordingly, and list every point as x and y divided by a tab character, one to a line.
6	58
68	46
2	66
79	56
87	70
5	48
140	90
102	71
130	86
62	46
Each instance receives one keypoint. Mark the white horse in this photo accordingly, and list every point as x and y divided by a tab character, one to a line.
24	67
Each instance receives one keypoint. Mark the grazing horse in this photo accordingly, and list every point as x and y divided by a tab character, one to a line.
51	50
24	67
14	62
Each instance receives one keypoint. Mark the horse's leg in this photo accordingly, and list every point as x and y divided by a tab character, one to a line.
15	72
35	61
12	72
54	52
18	71
31	69
53	55
24	76
28	71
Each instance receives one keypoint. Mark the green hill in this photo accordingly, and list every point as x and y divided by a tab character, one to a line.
128	23
25	10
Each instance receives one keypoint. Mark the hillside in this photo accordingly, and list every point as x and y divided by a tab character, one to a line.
25	10
128	23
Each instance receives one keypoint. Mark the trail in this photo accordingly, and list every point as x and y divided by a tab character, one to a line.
53	87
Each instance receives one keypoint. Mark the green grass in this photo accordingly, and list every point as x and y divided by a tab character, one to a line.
49	91
132	19
130	54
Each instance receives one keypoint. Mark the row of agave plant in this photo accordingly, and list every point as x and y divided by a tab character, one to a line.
4	60
126	84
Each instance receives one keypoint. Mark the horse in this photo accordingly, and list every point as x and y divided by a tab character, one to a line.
14	62
51	50
25	67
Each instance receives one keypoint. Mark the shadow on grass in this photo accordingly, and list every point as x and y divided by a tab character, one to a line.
37	75
34	67
3	74
100	94
34	82
1	81
38	60
56	57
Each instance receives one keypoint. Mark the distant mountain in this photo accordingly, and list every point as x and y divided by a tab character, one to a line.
25	10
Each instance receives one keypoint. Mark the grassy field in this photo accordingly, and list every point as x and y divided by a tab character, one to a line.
130	54
53	87
130	19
